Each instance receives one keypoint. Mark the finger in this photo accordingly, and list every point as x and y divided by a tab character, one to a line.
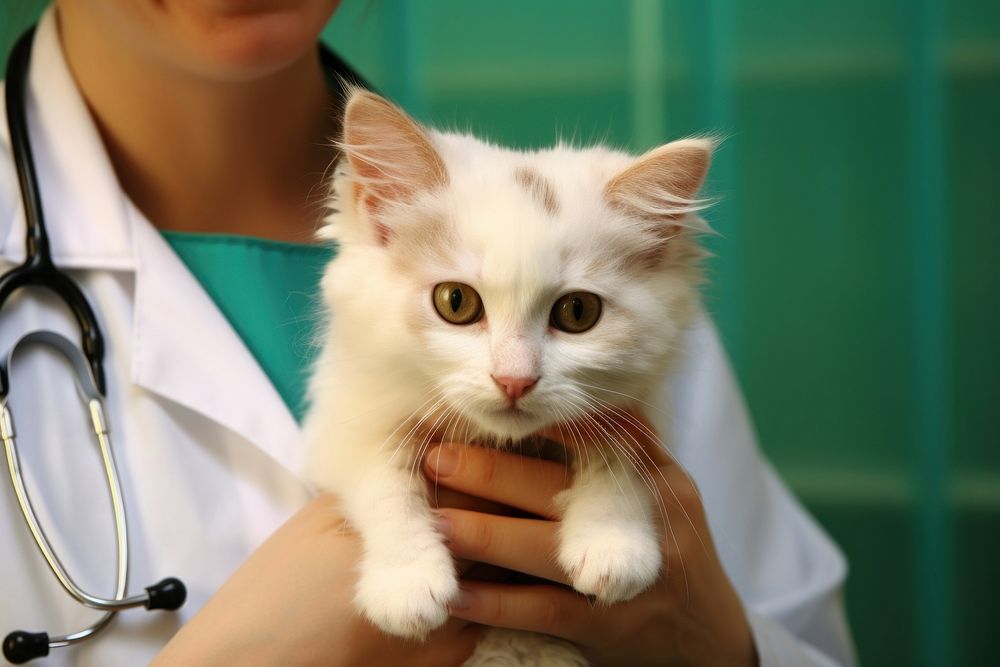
509	479
445	497
486	572
522	545
549	610
463	646
442	496
678	488
451	627
644	434
686	533
451	644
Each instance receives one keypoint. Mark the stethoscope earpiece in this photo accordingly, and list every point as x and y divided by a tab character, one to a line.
20	646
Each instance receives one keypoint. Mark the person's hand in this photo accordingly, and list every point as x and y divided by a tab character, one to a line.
290	603
691	616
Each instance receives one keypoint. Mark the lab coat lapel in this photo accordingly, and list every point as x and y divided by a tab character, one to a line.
185	350
81	200
183	347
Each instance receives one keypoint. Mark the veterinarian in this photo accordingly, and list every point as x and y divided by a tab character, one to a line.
158	126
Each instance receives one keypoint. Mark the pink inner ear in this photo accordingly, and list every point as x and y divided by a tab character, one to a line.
373	205
384	233
662	184
390	153
389	149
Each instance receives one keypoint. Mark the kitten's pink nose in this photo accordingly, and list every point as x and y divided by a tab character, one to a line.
515	388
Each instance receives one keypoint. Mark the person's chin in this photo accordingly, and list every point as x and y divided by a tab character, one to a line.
255	38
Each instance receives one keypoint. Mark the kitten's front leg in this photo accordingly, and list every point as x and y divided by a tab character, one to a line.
609	543
407	576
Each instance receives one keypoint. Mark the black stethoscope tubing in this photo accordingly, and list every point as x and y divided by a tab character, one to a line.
38	268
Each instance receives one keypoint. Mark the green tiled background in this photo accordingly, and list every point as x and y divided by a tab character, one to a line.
856	279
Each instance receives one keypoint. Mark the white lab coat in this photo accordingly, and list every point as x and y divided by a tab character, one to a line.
209	454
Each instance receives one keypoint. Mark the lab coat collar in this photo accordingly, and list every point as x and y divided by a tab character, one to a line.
183	348
81	199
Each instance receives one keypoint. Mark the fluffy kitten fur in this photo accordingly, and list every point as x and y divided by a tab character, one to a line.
415	208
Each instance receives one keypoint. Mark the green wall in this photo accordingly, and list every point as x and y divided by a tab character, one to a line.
855	278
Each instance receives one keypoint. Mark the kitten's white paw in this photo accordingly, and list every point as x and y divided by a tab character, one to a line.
614	563
408	599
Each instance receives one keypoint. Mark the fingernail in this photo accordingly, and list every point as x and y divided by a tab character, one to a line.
443	525
443	461
462	601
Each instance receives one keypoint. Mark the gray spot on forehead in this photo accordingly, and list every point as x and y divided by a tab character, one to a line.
539	188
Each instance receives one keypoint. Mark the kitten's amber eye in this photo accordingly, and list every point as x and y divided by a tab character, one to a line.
576	312
458	303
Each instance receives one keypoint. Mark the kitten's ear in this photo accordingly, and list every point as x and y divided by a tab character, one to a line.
662	185
392	158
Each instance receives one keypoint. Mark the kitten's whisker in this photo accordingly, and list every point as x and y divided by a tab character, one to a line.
457	414
642	470
416	431
669	532
407	441
595	444
572	453
645	475
637	447
453	412
653	406
580	442
621	412
571	462
406	438
654	438
608	440
654	466
429	436
436	399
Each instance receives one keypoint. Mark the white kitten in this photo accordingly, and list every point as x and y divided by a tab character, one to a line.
481	294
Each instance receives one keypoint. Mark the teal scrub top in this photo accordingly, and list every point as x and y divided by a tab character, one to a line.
269	292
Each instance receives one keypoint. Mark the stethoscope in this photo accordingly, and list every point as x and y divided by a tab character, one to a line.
38	270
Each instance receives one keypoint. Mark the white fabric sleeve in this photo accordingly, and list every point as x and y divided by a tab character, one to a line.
786	570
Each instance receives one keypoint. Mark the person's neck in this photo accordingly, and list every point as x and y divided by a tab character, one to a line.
208	156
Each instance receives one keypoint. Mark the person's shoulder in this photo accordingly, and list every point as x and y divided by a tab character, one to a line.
707	414
701	353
